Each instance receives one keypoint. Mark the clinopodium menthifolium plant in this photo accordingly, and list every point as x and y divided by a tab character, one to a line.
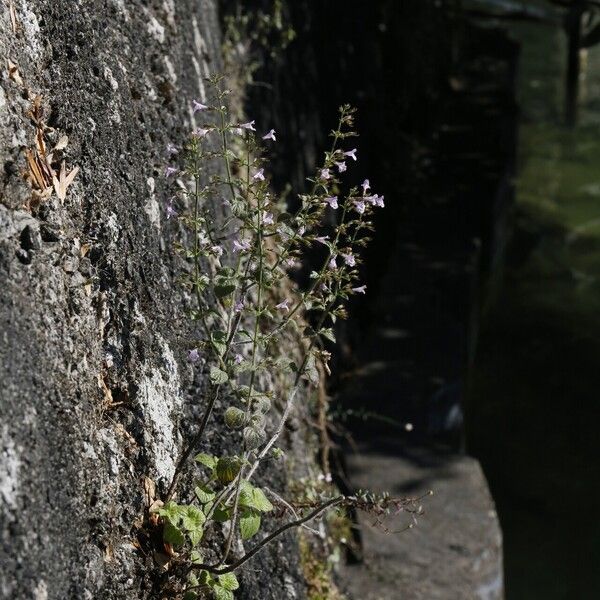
240	246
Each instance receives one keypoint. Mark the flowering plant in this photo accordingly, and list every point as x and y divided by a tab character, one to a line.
242	244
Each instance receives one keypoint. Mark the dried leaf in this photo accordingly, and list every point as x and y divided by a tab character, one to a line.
62	143
149	491
85	248
13	72
35	172
13	15
64	181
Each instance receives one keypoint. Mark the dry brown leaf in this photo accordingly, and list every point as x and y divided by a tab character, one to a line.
13	72
62	143
85	248
36	174
13	15
149	491
64	181
108	399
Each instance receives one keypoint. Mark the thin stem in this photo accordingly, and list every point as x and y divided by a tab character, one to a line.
219	570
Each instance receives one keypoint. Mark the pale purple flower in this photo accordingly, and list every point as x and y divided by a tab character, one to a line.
239	306
171	212
217	250
366	186
236	130
333	263
171	149
170	171
270	136
198	106
242	246
351	153
332	201
360	290
301	230
292	263
341	166
325	174
238	359
249	125
349	259
322	239
194	355
267	218
260	174
200	132
359	205
378	201
283	305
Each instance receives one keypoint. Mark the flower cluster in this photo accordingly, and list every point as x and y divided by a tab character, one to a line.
241	244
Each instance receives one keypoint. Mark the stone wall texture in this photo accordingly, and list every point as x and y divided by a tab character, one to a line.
95	389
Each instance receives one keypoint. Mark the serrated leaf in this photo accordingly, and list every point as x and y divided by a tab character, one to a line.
260	501
217	376
229	581
195	536
193	518
172	534
196	557
249	523
207	460
221	515
220	593
328	333
204	494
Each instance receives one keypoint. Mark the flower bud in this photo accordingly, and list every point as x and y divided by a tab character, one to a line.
227	468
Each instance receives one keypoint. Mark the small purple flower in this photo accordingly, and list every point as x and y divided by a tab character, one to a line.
378	201
341	166
200	132
349	259
242	246
325	174
170	171
260	175
322	239
359	205
332	263
198	106
238	359
217	250
249	125
270	136
360	290
366	186
351	153
194	355
332	201
237	130
268	218
171	212
239	306
171	149
301	230
283	305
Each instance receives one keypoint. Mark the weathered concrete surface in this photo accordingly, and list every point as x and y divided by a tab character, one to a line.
455	552
94	386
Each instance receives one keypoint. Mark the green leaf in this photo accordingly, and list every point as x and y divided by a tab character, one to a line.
204	494
207	460
171	511
196	557
220	593
195	536
227	468
193	519
253	497
328	333
172	534
219	341
190	595
221	515
310	370
224	289
229	581
249	523
226	272
217	376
